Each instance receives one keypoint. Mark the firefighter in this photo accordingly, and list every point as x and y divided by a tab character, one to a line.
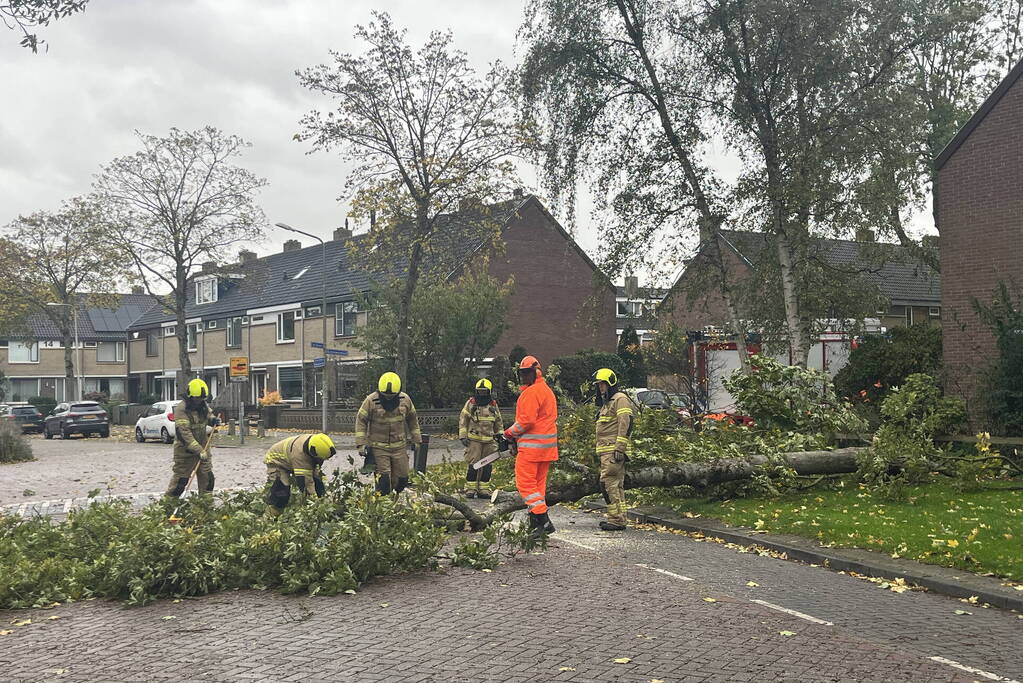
296	460
535	438
193	421
614	429
385	426
479	425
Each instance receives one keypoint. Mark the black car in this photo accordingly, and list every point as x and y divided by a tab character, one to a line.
28	417
79	417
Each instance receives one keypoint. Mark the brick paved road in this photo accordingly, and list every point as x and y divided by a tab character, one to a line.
70	469
565	615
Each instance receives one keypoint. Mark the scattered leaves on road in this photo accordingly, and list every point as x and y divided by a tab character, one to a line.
21	622
623	660
752	584
709	600
6	632
787	633
55	617
169	617
566	668
962	611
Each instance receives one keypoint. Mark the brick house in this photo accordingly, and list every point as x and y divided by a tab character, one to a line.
636	306
268	308
908	292
34	361
978	208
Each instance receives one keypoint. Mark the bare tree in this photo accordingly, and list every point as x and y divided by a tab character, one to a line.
61	257
176	203
425	135
24	15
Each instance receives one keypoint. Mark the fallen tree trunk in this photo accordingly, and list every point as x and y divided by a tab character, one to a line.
841	461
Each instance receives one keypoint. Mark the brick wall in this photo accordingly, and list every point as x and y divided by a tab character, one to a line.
979	207
556	307
695	301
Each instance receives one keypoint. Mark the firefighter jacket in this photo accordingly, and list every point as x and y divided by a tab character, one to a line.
536	423
388	430
191	428
614	424
480	424
289	455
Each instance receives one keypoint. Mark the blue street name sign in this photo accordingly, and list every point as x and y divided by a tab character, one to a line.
319	362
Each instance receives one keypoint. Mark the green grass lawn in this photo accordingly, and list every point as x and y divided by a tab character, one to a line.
981	531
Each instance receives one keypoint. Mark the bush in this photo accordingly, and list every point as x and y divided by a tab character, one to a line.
630	353
884	361
97	396
14	447
324	546
43	404
791	399
577	371
1001	396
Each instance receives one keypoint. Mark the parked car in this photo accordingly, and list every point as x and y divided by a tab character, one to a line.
79	417
28	417
156	423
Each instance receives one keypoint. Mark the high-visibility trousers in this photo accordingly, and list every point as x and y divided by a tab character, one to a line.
531	481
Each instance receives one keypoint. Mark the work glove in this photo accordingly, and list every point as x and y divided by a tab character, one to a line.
215	422
412	445
502	443
363	451
320	488
618	457
205	455
465	442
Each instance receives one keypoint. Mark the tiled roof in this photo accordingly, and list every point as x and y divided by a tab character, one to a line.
94	323
271	280
890	267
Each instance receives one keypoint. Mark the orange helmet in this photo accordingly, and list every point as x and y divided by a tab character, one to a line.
529	363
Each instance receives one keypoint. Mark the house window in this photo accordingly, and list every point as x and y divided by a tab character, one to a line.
312	312
23	389
934	311
206	290
23	352
286	327
110	352
289	383
90	345
211	325
234	332
192	335
169	331
346	318
628	309
152	345
909	315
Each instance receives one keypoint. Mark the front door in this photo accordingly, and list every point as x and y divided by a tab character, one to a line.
258	383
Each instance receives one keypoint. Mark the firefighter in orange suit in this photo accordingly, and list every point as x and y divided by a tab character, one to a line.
535	435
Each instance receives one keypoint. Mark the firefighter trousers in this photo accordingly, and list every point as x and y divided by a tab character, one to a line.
531	481
612	485
391	469
182	469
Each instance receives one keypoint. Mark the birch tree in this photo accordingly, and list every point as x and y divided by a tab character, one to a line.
26	15
426	137
176	203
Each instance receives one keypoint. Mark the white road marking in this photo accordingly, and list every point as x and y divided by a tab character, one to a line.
665	572
793	612
581	545
969	669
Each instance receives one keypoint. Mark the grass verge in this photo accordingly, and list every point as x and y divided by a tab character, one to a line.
981	531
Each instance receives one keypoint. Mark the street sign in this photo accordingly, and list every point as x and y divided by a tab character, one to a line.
336	352
240	380
319	362
316	345
239	366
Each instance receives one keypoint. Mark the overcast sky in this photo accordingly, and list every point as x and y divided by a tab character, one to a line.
149	65
153	64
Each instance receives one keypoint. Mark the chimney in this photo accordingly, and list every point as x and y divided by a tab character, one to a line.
864	235
632	286
138	289
341	234
518	193
208	266
372	218
245	257
292	245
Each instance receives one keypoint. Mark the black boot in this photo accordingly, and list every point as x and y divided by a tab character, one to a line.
612	526
540	525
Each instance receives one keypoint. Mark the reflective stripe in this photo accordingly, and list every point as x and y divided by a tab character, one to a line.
480	438
623	438
389	445
606	418
606	449
396	418
538	436
360	434
531	496
516	429
535	504
553	444
302	472
363	412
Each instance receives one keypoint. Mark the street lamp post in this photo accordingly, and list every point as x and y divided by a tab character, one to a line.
323	315
78	349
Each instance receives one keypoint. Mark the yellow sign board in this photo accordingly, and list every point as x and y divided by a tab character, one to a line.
239	366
